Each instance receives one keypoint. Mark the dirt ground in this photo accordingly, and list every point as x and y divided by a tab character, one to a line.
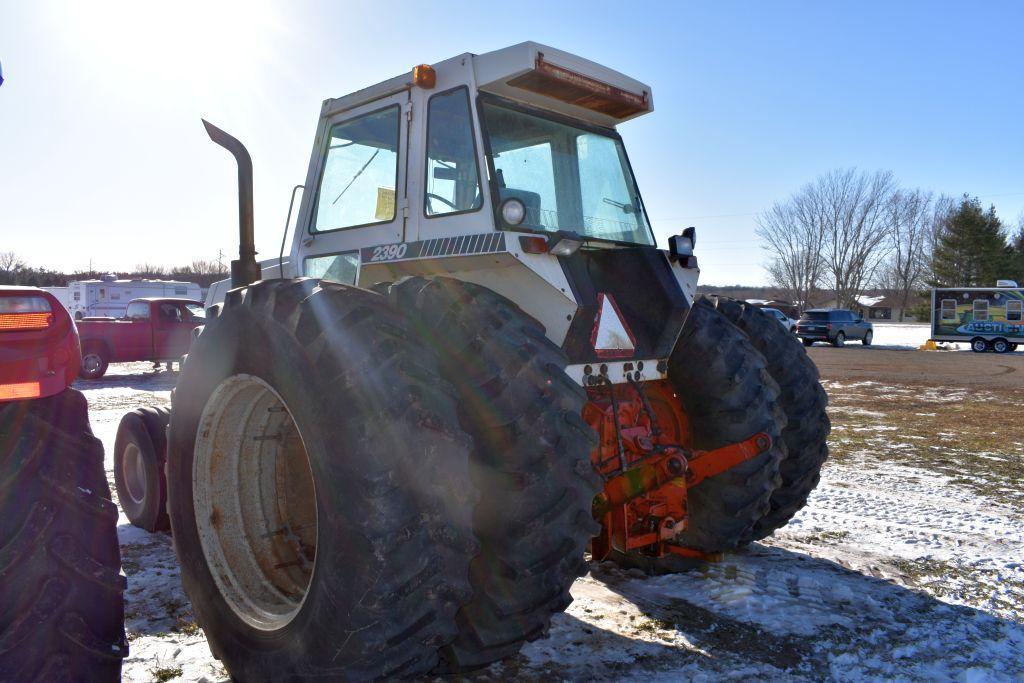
906	564
928	368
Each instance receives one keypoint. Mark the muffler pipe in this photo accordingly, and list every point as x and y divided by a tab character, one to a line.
245	270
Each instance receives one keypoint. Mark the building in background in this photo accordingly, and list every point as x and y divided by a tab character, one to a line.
108	297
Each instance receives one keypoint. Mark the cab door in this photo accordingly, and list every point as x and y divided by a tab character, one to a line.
359	172
172	330
134	333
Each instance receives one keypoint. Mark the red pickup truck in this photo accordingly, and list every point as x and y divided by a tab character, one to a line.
158	330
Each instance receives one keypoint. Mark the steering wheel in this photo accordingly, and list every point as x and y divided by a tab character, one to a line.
431	195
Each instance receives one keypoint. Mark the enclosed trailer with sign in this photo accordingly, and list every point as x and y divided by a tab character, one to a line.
987	318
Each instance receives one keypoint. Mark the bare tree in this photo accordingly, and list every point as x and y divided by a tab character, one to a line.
852	207
911	221
9	262
793	238
832	231
203	267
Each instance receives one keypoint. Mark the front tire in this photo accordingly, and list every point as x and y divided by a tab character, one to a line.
979	345
1000	346
531	462
804	401
140	453
868	336
728	395
61	591
319	490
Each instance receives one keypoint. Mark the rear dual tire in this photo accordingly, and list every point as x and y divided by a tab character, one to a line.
140	454
310	421
530	462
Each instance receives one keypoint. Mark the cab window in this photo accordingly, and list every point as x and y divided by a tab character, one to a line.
334	267
137	310
453	178
170	313
195	312
357	186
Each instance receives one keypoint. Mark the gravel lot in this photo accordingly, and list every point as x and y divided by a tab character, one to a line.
907	563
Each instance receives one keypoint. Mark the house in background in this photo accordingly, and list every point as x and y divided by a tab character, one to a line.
786	307
881	307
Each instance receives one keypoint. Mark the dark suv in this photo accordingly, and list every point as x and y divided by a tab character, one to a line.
833	325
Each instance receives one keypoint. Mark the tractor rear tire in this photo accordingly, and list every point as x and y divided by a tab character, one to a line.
531	462
61	590
728	396
319	487
140	453
803	399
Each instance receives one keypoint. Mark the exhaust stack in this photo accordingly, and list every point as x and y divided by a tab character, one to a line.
244	270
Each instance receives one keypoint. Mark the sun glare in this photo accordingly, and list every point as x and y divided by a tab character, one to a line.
201	45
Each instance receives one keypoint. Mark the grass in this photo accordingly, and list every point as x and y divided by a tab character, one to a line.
972	438
826	537
970	585
186	626
654	626
165	673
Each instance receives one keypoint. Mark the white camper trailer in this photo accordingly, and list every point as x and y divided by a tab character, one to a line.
62	294
110	296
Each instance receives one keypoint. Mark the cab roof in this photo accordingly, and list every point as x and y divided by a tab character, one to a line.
537	75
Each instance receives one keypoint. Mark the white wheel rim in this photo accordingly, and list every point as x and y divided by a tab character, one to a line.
91	362
255	502
133	472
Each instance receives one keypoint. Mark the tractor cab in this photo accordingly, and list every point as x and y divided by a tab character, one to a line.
503	169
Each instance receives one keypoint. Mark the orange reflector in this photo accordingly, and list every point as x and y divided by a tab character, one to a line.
25	321
424	76
534	245
583	91
20	390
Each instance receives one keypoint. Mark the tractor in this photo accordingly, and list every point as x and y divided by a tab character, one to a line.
61	588
390	450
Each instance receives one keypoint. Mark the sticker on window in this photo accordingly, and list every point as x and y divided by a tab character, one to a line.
385	204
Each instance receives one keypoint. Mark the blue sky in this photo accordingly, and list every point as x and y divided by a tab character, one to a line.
102	155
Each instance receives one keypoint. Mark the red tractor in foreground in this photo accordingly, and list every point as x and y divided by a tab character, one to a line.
61	590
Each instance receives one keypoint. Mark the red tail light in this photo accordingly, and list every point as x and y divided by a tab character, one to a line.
25	321
21	313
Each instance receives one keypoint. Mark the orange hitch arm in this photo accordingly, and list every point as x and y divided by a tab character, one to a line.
704	464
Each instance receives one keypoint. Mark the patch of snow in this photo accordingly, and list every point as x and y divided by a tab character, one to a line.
890	572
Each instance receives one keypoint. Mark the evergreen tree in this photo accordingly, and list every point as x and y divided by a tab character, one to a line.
1016	256
971	249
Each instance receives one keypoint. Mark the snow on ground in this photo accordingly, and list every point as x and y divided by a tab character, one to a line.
896	569
900	335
